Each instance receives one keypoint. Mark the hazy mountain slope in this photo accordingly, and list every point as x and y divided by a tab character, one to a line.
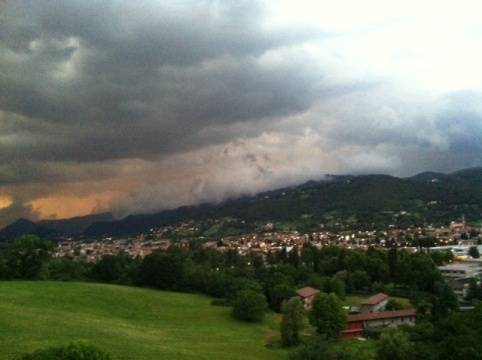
77	224
365	200
24	226
365	197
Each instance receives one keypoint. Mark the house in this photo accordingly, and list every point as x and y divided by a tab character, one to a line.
374	303
458	275
466	269
307	295
356	324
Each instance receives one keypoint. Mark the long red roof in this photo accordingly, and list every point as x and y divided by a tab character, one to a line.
382	315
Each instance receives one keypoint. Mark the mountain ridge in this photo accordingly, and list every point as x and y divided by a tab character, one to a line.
432	196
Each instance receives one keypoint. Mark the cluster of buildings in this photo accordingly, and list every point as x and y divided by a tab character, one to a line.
371	313
410	238
459	274
93	251
268	240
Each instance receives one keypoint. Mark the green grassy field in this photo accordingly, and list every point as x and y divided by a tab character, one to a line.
130	323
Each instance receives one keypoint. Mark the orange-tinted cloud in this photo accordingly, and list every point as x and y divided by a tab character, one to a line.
65	206
5	202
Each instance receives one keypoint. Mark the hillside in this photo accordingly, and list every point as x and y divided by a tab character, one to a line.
130	323
75	225
357	200
52	228
24	226
354	201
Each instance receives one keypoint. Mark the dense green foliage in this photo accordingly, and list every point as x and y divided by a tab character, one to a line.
320	349
249	305
474	252
74	351
393	304
327	315
454	337
25	258
292	322
394	345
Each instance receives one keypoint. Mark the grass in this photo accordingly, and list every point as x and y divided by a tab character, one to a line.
129	323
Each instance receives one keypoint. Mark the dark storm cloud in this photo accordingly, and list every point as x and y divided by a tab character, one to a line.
15	211
176	102
105	80
461	121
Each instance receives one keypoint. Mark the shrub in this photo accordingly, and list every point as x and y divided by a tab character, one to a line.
74	351
249	305
393	304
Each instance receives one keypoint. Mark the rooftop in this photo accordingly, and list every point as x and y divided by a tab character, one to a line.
382	315
375	299
307	292
460	266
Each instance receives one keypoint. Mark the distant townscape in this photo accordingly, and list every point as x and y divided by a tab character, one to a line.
456	237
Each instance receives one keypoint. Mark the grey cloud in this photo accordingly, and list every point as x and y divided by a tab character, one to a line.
144	79
98	91
16	210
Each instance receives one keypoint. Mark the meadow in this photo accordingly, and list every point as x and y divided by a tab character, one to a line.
129	323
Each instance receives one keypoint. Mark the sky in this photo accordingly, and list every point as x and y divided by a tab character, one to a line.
137	106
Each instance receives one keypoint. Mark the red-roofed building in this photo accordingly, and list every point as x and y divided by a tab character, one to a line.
375	303
357	323
307	295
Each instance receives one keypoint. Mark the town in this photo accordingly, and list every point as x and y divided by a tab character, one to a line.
456	237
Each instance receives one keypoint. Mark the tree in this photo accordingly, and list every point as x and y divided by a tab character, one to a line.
474	252
28	256
217	283
393	304
458	335
394	345
442	257
337	286
238	284
444	301
120	268
249	305
74	351
313	350
280	293
474	292
325	350
360	280
418	271
293	257
67	269
163	271
292	322
327	315
393	263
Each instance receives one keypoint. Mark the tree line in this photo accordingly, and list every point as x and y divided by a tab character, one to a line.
222	275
